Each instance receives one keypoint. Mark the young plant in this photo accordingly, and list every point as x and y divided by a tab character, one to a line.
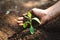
29	17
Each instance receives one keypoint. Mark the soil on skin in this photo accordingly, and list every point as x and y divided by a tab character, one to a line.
10	30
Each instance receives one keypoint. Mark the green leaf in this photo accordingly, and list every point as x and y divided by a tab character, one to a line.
25	25
37	20
31	30
29	14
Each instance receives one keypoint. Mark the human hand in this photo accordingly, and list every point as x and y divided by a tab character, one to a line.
42	14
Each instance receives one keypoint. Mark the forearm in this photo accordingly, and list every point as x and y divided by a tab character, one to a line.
54	10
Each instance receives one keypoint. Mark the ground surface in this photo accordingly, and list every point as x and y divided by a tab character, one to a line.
10	30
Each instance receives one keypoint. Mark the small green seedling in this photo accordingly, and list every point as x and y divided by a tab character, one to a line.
29	16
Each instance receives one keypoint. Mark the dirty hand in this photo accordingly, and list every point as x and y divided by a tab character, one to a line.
42	14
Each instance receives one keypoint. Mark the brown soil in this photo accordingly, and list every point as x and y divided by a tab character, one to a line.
10	30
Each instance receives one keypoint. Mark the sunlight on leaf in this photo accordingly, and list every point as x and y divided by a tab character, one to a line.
25	25
31	30
37	20
29	14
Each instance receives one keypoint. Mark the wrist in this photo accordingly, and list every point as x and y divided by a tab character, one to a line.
54	10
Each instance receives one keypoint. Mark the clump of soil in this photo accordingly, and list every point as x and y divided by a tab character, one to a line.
25	35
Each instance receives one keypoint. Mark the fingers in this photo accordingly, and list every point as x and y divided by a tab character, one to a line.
20	18
24	14
44	20
20	21
20	24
